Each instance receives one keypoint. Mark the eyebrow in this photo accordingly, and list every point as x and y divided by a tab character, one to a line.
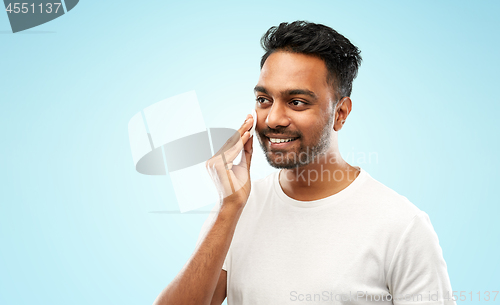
288	92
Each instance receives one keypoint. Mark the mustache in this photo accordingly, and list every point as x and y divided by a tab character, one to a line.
280	131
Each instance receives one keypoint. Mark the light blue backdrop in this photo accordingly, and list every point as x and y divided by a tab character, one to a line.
76	221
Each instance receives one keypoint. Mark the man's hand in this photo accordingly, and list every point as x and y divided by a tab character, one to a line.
202	276
233	180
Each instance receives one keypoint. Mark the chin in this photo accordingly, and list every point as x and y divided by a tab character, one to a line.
290	164
283	166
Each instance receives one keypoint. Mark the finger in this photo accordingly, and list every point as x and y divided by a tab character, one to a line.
233	152
231	189
247	125
235	143
246	155
249	151
232	149
232	174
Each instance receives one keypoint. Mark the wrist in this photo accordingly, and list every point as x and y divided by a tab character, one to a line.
231	207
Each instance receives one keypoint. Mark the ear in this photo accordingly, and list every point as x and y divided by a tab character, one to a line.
342	110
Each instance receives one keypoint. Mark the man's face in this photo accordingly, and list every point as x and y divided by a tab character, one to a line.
294	101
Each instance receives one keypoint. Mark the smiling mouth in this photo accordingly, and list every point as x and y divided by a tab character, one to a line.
279	143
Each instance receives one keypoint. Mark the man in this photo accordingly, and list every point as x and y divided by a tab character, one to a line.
319	230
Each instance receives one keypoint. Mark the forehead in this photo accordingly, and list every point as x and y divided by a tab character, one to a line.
285	70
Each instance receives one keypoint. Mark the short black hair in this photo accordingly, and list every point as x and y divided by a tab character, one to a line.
341	57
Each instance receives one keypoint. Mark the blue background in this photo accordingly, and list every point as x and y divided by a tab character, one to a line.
78	223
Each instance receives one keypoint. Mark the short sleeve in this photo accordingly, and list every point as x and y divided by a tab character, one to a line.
204	230
418	272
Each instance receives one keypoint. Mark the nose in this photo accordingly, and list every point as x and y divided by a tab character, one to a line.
277	116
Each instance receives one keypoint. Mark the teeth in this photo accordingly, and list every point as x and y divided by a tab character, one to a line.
275	140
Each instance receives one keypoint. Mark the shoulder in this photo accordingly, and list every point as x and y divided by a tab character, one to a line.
376	199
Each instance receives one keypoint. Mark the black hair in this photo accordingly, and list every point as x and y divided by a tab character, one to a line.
341	57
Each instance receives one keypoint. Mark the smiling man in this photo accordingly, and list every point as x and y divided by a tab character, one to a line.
304	106
318	230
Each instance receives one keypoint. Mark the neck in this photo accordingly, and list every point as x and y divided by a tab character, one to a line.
327	175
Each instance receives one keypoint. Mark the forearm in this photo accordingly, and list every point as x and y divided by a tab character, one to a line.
196	282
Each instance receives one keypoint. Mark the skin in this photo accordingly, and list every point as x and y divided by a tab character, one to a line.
314	120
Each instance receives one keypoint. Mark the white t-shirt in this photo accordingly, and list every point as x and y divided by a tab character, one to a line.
363	245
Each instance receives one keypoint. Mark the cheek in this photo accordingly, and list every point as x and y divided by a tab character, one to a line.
306	126
313	131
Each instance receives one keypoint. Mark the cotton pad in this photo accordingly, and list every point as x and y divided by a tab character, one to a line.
254	116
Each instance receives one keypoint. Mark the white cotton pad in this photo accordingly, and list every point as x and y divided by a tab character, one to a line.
254	115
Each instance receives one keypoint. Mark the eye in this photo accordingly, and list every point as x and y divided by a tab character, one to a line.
297	101
261	100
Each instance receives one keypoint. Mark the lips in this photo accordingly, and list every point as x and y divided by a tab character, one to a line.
282	144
